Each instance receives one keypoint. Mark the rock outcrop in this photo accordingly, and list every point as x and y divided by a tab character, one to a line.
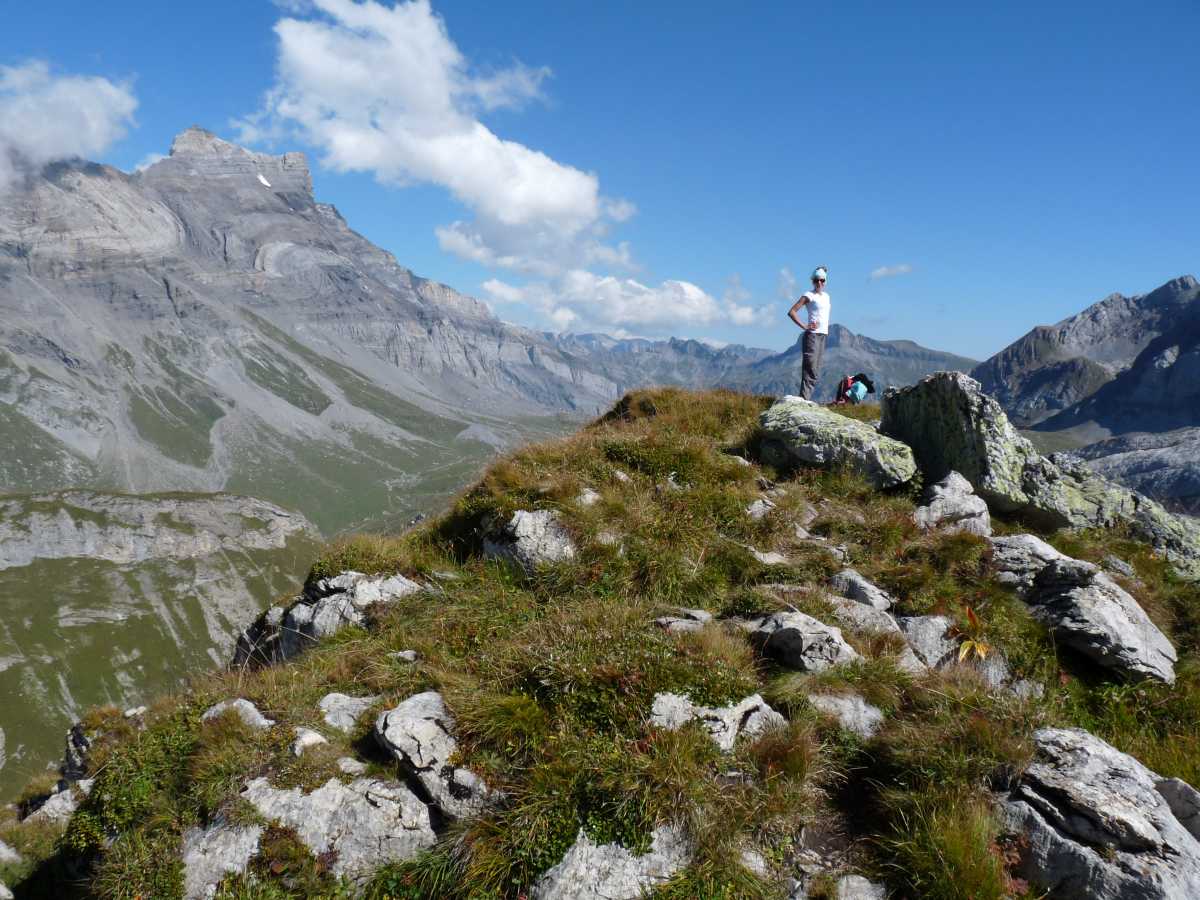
851	585
952	425
419	734
530	539
795	432
801	642
341	711
852	712
360	826
591	871
952	505
1098	825
211	854
725	724
325	608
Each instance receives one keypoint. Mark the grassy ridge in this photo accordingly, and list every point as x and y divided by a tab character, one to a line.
551	677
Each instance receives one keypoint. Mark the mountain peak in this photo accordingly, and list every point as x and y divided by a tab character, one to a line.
197	141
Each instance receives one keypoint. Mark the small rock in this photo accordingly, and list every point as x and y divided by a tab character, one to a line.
405	656
769	558
305	739
741	461
58	808
621	476
1024	689
211	854
756	863
855	887
951	504
1018	558
359	826
1184	801
867	619
351	766
683	620
853	713
725	724
5	893
927	635
418	733
852	585
135	712
530	539
244	709
587	497
590	871
8	856
801	642
1118	566
759	509
341	711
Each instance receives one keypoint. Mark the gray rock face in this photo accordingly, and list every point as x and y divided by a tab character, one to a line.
860	617
530	539
365	824
1019	558
1090	612
210	854
1097	825
799	433
853	586
341	711
725	724
855	887
5	893
799	641
419	734
58	808
952	426
243	709
8	855
591	871
851	711
324	609
951	505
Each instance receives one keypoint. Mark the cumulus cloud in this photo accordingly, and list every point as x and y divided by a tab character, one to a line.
384	89
148	160
890	271
46	117
736	299
787	286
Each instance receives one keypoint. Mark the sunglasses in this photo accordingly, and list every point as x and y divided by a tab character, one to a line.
819	280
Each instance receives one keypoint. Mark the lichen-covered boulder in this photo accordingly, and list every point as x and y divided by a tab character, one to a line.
360	826
797	433
419	733
590	871
801	642
1096	824
211	854
725	724
951	425
952	505
1091	613
529	539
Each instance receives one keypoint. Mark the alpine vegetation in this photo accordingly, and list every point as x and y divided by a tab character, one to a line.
709	646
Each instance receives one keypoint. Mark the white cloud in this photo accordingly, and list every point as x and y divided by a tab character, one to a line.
148	160
890	271
737	308
787	287
383	89
46	117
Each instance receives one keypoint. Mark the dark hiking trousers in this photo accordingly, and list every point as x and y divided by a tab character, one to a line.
814	349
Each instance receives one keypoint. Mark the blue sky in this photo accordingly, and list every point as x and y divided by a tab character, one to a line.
1010	163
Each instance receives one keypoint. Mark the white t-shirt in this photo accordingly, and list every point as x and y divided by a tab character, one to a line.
818	310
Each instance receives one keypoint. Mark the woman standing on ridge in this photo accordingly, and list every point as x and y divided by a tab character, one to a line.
815	330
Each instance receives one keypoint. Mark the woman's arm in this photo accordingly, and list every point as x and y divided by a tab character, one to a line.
792	312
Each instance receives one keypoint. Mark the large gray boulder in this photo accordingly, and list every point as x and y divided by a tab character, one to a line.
326	607
801	642
530	539
749	717
361	826
798	433
952	425
590	871
210	854
1091	613
933	641
850	584
419	734
1018	558
952	505
1098	825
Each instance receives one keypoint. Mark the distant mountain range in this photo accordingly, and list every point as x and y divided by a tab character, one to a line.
1120	384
